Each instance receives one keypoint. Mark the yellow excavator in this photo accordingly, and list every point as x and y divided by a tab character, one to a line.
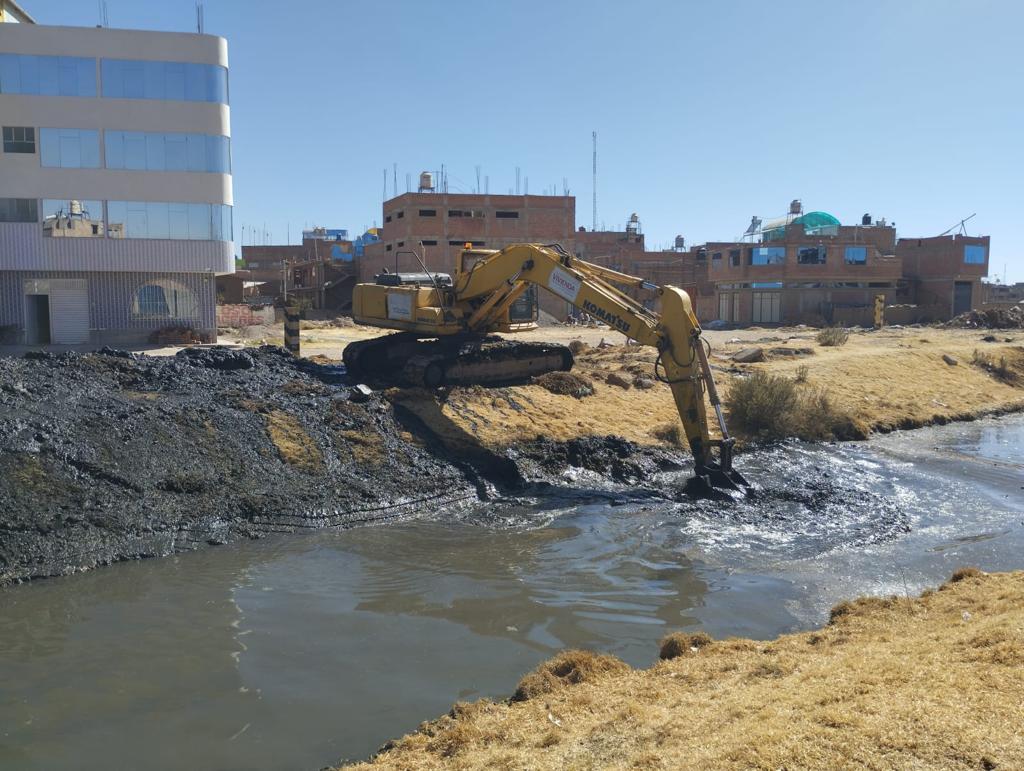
447	325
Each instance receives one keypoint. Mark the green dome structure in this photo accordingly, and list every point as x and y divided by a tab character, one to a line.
814	222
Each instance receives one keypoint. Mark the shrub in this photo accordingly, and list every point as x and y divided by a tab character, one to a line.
801	374
833	336
771	407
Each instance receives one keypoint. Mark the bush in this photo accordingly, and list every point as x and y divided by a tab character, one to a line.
801	374
771	407
833	336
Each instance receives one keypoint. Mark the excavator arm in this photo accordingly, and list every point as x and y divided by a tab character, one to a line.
496	280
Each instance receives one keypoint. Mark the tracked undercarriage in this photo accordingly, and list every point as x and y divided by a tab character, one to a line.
457	360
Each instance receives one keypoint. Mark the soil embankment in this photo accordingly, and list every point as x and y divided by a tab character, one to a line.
928	683
878	381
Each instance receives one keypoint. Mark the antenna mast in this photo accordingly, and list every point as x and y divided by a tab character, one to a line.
594	135
199	16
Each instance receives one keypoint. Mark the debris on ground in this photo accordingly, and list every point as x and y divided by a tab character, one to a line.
990	318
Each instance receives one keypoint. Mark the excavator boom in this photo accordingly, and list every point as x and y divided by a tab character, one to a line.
477	301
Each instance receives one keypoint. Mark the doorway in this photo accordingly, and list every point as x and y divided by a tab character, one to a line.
961	297
37	319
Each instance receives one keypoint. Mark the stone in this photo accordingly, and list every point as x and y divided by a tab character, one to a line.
643	383
949	360
360	393
749	355
617	379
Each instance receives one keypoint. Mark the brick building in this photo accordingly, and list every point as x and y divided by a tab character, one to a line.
443	223
802	268
321	270
945	272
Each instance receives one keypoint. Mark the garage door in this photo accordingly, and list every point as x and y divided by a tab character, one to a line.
767	307
69	311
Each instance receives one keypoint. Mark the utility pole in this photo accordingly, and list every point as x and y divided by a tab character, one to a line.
594	136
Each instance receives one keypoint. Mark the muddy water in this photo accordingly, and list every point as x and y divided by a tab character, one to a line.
299	651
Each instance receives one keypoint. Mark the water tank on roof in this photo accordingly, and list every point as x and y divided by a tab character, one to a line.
75	207
633	217
796	206
866	219
426	181
680	242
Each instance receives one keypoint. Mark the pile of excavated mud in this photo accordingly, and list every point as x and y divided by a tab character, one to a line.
109	456
991	318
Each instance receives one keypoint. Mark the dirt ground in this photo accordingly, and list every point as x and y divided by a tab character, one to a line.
890	683
893	378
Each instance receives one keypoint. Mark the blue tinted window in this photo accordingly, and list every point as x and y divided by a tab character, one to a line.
974	254
766	285
768	255
154	151
183	221
181	81
47	75
69	148
856	255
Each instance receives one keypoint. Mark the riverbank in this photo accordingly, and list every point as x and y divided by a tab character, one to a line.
878	381
932	682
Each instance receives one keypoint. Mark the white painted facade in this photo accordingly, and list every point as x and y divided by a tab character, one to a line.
150	236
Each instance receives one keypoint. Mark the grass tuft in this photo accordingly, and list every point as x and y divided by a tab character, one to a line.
681	644
570	667
833	336
670	433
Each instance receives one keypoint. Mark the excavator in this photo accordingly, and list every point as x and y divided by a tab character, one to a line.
447	327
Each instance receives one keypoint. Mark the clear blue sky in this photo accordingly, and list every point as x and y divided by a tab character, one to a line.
707	113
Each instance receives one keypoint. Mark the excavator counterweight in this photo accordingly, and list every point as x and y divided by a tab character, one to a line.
447	327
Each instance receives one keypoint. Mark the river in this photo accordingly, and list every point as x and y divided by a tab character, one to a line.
298	651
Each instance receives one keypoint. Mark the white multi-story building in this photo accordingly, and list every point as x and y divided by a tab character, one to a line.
115	182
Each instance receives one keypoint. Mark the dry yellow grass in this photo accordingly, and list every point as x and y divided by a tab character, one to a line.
881	380
929	683
294	445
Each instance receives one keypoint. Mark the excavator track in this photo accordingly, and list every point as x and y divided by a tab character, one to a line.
407	360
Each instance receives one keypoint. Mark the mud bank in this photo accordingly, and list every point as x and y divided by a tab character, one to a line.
931	682
109	456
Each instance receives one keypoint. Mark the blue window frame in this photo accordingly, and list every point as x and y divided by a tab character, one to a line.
47	75
974	254
856	255
69	148
182	81
154	151
766	285
768	255
160	219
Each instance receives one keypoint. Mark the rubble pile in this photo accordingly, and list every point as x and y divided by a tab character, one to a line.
992	318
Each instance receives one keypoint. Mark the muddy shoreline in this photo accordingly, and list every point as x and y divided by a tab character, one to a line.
110	456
